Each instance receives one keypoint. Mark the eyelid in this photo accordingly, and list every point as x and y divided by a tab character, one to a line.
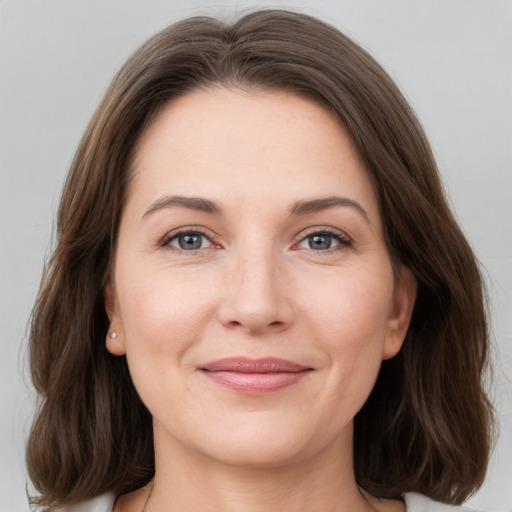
322	229
343	239
165	241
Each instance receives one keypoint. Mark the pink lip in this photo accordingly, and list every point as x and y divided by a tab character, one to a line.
254	376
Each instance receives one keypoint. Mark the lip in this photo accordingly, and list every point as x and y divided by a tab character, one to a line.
254	376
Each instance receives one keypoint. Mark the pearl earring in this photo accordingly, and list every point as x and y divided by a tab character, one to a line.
113	335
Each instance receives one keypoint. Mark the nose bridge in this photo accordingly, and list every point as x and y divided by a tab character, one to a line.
256	276
256	296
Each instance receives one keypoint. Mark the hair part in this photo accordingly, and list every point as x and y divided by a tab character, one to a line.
426	426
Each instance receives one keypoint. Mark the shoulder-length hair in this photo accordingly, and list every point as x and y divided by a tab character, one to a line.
426	425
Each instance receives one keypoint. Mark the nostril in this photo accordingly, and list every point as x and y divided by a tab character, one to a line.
255	312
256	326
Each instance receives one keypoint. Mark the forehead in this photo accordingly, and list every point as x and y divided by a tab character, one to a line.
255	145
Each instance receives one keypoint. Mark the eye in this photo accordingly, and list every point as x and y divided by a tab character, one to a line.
320	241
187	241
324	240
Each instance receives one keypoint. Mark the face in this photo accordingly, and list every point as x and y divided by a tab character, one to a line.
252	291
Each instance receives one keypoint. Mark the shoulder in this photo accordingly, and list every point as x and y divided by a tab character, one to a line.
103	503
419	503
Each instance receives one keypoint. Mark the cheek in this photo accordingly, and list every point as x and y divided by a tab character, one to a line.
162	319
349	314
162	311
351	305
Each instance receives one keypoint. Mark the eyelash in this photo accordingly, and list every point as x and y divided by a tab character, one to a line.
165	242
343	240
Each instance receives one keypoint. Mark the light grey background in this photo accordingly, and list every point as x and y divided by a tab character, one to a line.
452	58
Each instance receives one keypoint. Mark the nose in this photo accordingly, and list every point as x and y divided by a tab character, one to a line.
256	297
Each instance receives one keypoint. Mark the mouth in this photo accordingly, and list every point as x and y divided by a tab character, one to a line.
255	376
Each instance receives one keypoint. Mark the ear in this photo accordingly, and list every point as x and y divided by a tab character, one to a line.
404	296
115	340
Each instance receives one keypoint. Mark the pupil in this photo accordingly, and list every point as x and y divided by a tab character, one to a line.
190	241
319	242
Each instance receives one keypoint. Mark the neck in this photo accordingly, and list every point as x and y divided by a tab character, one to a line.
186	480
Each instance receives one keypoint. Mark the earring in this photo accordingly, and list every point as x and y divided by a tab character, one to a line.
113	335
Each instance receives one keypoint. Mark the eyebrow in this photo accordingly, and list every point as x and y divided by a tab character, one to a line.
316	205
193	203
302	207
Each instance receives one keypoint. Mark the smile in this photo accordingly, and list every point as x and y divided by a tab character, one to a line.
255	376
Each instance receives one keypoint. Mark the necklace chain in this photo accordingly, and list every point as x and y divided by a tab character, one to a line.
147	499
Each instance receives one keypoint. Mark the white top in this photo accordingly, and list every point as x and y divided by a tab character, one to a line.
414	503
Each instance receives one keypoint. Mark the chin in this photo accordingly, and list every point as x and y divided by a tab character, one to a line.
258	452
264	442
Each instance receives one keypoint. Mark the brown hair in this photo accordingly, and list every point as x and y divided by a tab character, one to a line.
426	425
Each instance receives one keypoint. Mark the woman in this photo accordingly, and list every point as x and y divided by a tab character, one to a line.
260	299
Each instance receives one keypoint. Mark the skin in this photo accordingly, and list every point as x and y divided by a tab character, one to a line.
258	286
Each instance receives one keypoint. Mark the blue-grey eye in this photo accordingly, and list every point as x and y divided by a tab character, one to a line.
320	241
189	241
